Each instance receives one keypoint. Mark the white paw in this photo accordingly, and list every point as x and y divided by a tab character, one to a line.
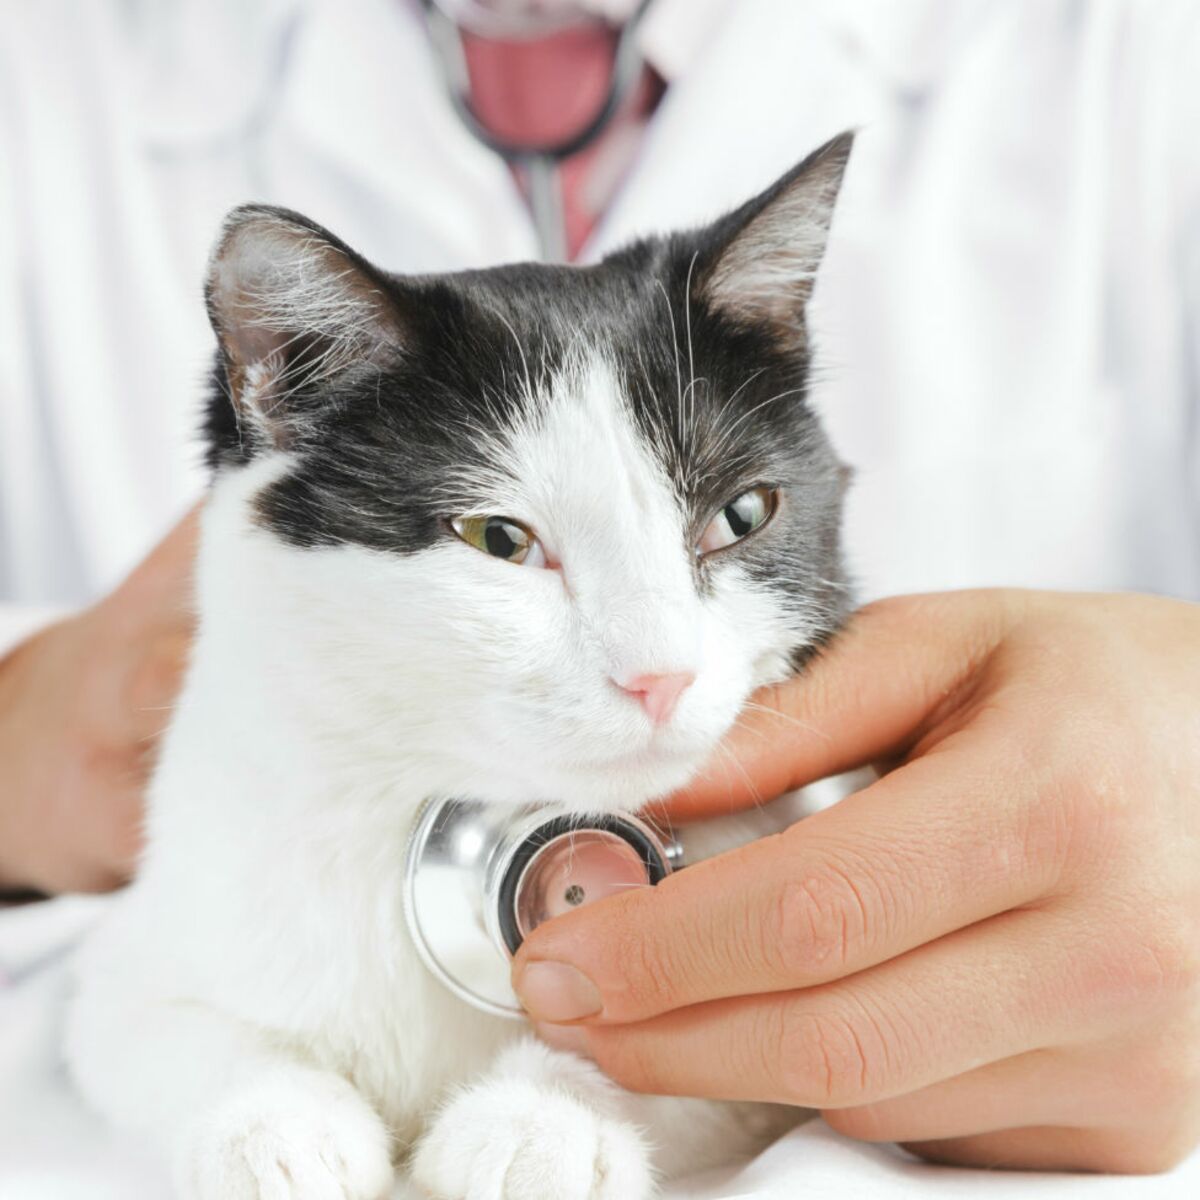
307	1138
518	1141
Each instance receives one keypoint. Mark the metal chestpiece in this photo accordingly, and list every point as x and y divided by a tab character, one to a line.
479	878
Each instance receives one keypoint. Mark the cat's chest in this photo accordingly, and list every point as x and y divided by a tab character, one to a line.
331	966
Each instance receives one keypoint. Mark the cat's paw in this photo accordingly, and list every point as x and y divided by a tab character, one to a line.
310	1139
518	1141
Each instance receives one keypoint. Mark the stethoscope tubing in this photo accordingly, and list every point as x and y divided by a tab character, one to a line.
539	161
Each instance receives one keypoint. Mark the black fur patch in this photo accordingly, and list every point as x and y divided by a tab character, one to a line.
387	449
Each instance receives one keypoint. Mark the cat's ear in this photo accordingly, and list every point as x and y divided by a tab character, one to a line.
760	261
293	307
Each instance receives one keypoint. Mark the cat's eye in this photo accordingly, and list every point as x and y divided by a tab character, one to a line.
501	538
738	519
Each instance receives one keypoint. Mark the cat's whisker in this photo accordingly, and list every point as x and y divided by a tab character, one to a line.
720	417
746	416
729	757
787	719
675	348
529	390
687	310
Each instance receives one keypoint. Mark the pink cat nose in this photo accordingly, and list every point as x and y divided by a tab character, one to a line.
659	694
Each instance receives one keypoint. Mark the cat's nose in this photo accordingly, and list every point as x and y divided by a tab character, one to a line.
658	694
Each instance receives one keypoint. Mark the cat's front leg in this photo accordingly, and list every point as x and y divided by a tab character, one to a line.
244	1119
541	1125
544	1124
293	1133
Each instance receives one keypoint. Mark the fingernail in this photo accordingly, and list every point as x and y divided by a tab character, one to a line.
571	1038
553	991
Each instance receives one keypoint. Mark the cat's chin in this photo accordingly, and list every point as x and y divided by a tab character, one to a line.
619	786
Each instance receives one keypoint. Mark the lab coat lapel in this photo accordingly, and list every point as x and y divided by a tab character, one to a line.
770	82
420	194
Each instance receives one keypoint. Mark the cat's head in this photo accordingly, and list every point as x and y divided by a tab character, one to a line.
551	524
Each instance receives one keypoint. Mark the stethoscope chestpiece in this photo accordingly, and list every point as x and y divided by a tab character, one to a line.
479	878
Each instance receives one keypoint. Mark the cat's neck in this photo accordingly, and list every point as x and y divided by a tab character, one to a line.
312	747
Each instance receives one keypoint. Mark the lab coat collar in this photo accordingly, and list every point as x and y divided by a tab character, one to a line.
675	32
910	44
204	70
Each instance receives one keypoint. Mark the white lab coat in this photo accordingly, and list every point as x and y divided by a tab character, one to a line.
1007	318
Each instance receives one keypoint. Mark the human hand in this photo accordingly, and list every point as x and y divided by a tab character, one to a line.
81	706
992	954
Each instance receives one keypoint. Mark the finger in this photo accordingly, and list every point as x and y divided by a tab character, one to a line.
90	830
159	587
866	698
1062	1087
1043	1148
152	686
110	859
974	997
147	624
935	846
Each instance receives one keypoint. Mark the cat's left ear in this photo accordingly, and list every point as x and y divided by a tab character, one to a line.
759	263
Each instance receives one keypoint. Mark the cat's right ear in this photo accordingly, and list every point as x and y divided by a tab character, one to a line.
759	263
293	307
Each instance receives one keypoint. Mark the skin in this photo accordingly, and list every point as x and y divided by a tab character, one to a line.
82	705
992	954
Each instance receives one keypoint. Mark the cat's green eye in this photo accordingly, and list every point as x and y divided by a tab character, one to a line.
501	538
738	519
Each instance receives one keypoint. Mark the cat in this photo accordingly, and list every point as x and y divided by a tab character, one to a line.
522	534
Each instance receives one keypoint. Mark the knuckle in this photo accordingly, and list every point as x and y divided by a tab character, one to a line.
1171	956
1155	975
1075	825
1149	971
649	975
817	922
804	930
826	1060
1053	832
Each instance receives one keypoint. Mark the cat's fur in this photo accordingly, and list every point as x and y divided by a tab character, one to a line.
255	998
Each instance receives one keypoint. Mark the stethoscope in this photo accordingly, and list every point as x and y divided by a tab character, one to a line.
480	877
538	162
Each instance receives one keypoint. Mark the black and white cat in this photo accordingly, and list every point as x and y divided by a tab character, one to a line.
518	534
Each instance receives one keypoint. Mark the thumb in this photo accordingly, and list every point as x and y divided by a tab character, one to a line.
870	695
